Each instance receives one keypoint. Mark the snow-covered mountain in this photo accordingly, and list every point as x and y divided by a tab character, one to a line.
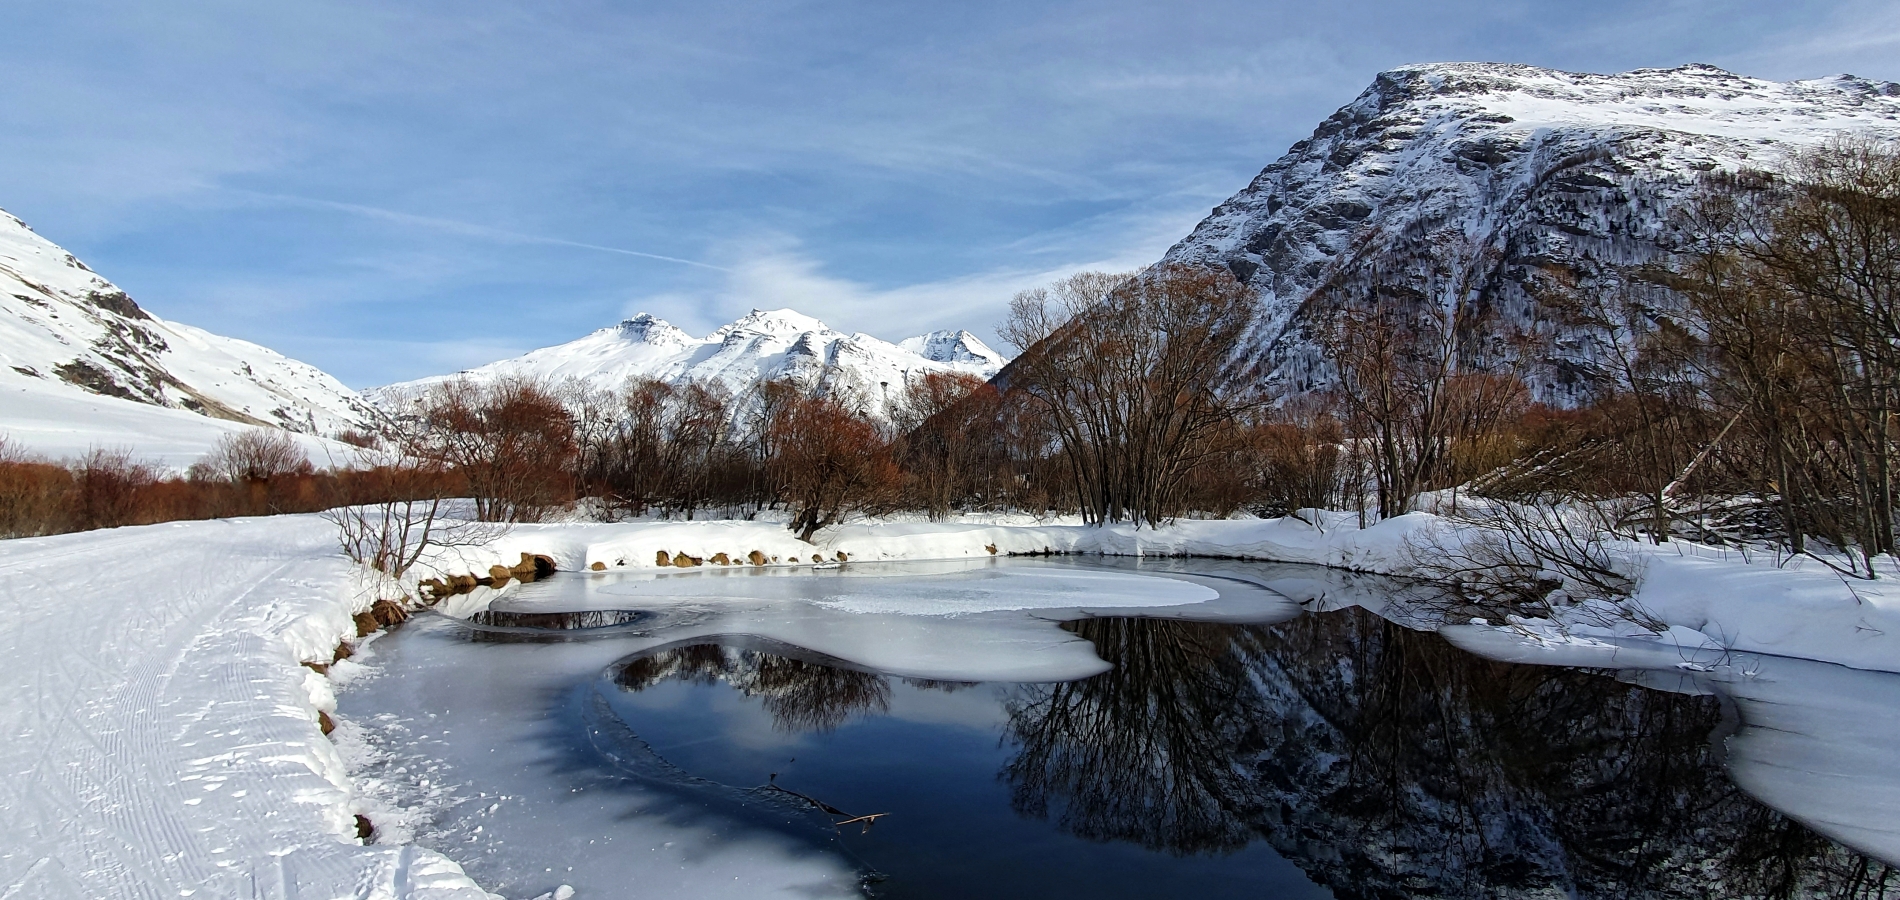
81	364
763	345
1541	167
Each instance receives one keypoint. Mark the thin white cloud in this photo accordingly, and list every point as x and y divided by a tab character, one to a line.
777	272
406	360
452	226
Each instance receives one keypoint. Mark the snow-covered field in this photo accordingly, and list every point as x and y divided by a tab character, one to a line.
57	422
166	741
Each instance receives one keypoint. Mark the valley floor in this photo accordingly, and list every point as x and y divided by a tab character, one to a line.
166	738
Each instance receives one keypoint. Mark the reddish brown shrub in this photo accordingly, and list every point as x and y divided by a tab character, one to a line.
829	462
34	496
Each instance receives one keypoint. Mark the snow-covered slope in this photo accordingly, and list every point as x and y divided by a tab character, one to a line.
55	422
764	345
71	341
1545	168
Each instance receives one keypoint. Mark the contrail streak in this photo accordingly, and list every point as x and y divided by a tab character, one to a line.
465	228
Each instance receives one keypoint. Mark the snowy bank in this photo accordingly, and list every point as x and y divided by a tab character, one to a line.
1703	597
1697	604
164	736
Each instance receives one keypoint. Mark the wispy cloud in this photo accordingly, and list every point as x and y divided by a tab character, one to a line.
775	271
891	168
452	226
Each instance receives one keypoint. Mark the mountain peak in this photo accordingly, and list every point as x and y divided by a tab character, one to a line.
1572	169
1690	88
952	347
651	329
763	345
786	322
69	336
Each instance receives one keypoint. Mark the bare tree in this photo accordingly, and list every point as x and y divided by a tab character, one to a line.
1424	363
670	448
1796	279
1645	367
828	463
941	432
512	441
1137	376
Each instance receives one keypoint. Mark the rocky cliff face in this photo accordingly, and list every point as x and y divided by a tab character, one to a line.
1527	167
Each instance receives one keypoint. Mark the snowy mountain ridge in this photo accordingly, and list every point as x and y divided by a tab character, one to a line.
761	346
1537	167
72	341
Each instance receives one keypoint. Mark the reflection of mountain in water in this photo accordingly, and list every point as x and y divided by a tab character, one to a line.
1388	764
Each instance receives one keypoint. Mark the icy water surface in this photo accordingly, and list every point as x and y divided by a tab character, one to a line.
1096	729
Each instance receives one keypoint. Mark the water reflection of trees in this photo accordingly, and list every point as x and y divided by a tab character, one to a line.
799	695
1132	753
1388	764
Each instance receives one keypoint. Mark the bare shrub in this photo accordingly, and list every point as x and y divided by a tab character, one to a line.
107	484
34	495
1500	556
1297	454
828	462
256	455
359	438
394	510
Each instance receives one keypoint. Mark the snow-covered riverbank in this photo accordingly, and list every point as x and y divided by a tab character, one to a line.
1709	598
166	740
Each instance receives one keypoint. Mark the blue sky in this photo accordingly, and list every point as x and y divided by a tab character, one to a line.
392	189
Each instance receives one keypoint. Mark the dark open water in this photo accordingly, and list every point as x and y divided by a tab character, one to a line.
1326	754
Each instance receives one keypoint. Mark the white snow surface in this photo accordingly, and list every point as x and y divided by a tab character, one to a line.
1015	590
68	336
57	422
763	345
163	739
1701	596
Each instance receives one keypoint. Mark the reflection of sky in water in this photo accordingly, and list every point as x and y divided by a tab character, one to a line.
1817	742
950	830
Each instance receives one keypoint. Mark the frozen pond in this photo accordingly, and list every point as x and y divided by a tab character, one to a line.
1095	728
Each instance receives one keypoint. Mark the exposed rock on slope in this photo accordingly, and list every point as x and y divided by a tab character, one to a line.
66	333
764	345
1537	166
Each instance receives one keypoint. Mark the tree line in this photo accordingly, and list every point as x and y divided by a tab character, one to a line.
1741	389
